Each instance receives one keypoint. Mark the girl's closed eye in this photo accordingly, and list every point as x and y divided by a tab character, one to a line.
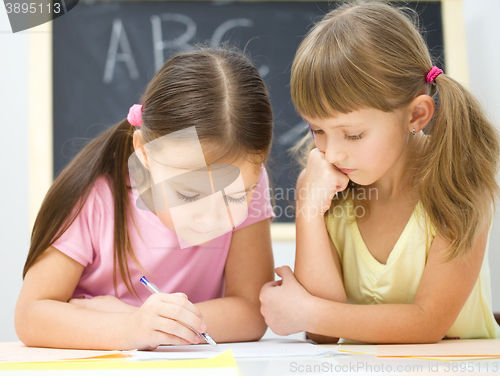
236	200
354	136
347	136
187	197
191	198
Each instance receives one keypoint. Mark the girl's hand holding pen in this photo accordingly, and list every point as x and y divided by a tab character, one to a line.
159	321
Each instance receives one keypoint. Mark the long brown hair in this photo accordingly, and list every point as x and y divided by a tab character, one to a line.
371	55
218	91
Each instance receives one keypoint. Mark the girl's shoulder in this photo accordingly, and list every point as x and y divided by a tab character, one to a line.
87	221
103	185
100	198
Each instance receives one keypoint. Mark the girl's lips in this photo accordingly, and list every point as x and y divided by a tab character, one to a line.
346	170
201	233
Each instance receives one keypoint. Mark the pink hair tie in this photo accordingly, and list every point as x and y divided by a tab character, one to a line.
434	72
134	116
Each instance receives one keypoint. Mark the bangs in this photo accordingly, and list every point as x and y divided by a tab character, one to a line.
332	73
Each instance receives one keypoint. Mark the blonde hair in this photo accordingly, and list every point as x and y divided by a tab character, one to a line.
371	55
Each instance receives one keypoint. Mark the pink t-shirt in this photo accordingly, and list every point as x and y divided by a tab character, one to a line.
197	271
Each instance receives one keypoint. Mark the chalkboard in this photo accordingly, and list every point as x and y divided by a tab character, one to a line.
105	53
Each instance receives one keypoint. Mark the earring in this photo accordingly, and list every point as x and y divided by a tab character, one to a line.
414	131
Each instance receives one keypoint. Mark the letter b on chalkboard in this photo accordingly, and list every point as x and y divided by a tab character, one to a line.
25	14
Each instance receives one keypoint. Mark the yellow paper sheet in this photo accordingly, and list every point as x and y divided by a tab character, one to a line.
464	348
224	360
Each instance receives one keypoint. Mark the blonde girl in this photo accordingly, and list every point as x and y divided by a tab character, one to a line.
392	219
93	241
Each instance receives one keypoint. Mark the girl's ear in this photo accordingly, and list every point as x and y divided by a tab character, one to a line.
422	110
138	142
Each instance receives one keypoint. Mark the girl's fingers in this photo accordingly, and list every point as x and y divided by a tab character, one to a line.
181	294
284	272
169	339
343	184
180	299
271	284
275	283
182	315
176	329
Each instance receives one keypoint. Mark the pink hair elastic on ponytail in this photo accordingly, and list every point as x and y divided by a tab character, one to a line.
134	116
433	73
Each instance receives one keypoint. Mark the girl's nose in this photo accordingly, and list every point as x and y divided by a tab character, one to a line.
211	211
334	154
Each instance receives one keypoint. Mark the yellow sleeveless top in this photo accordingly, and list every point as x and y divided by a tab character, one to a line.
367	281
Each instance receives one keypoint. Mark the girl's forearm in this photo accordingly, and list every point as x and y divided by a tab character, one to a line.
314	264
380	323
229	319
233	319
51	323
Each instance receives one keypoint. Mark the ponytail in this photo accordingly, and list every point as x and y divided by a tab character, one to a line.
456	178
107	155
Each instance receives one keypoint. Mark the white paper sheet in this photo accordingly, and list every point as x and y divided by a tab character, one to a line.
272	348
482	348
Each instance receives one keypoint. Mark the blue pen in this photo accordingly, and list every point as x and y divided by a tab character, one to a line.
154	289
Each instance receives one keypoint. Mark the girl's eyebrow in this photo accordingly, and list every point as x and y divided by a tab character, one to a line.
337	126
187	164
345	126
188	188
247	190
192	189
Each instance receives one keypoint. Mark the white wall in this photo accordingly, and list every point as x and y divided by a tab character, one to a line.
483	50
483	34
14	231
